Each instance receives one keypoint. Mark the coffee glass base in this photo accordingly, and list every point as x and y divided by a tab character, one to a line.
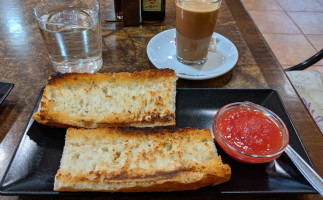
191	62
80	66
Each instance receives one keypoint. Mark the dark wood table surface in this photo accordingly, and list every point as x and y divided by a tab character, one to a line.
24	62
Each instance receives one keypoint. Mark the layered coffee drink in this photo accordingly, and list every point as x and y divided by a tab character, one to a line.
195	22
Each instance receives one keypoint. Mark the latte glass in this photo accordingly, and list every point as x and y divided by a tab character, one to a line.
195	22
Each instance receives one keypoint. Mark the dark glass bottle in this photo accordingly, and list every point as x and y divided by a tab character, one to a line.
153	9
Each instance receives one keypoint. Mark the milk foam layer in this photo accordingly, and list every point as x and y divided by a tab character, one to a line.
197	6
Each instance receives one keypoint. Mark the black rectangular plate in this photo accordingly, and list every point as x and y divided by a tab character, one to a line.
5	89
36	160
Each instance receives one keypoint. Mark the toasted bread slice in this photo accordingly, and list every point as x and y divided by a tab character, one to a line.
139	160
140	99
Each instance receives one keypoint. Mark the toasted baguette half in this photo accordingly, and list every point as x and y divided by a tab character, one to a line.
139	160
139	99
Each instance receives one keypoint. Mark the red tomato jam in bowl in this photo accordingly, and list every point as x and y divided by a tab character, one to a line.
250	133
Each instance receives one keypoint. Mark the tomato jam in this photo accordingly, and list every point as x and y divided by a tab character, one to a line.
250	133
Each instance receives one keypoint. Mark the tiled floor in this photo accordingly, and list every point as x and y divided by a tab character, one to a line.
292	28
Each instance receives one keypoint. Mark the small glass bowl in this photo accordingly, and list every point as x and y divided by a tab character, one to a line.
243	156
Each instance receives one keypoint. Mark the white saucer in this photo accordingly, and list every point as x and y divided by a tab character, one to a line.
161	51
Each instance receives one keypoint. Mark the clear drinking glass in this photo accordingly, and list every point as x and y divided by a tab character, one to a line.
71	31
195	22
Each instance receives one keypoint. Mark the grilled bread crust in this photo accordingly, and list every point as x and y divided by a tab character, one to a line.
139	99
139	160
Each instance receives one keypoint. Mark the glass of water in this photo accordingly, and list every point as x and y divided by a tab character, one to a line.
71	31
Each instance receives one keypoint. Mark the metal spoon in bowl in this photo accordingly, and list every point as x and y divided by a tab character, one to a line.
308	172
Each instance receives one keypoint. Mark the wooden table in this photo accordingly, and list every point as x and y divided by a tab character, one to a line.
24	62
